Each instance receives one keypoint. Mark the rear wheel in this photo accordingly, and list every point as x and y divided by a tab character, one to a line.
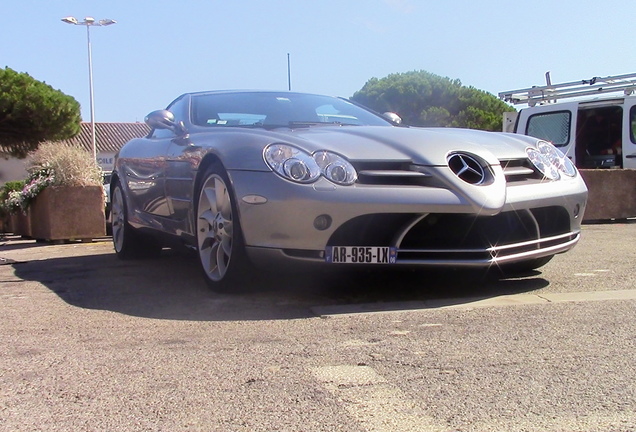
219	238
127	242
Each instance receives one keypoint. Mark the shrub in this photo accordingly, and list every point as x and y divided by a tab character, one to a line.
10	189
52	165
71	166
10	186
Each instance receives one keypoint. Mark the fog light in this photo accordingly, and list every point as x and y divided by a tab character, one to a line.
322	222
577	210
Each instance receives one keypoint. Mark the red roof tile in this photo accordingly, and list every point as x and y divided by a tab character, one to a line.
110	137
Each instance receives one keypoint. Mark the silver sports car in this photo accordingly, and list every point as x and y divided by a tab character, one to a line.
260	177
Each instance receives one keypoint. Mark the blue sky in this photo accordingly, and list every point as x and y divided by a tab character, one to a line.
161	49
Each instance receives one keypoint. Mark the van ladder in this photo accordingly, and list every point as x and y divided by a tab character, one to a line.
553	92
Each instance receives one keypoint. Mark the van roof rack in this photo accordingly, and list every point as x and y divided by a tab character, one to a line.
553	92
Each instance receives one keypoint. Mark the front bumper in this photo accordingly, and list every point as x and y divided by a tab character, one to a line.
434	226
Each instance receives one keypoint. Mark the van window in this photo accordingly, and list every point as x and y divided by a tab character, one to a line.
552	126
632	124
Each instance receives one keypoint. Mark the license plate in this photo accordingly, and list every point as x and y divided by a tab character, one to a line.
360	255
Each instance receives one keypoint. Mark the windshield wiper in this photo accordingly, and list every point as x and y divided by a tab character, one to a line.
296	124
315	123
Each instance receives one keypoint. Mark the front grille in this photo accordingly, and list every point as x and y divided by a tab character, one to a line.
516	171
391	174
459	237
460	231
486	255
520	170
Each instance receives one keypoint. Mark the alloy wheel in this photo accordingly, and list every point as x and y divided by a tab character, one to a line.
215	228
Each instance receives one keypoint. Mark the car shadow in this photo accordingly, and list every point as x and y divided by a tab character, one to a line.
171	287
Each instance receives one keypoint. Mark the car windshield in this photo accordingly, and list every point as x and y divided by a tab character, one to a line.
277	109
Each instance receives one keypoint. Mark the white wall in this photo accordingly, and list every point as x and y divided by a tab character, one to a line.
12	169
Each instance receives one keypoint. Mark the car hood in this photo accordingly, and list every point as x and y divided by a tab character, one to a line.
428	147
422	146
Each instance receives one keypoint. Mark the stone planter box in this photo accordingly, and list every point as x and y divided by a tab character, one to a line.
612	194
68	213
20	224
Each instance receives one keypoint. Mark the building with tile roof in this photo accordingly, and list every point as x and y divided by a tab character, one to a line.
109	137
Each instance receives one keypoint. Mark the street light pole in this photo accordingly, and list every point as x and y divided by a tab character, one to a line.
90	94
288	72
90	22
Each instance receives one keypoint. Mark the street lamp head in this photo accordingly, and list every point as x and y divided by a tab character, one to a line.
89	21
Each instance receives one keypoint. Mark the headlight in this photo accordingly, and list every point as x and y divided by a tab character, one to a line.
291	163
296	165
557	158
550	161
336	168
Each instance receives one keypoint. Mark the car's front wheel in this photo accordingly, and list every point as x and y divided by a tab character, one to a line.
219	238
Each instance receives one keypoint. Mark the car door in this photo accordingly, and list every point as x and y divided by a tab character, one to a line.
182	161
181	165
147	165
143	171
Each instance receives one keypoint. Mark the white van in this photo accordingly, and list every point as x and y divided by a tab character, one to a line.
597	131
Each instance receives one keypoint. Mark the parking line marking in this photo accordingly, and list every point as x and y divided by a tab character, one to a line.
377	405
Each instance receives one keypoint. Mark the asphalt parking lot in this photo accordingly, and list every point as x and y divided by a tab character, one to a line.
94	343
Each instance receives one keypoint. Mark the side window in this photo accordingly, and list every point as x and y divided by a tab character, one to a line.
161	133
552	126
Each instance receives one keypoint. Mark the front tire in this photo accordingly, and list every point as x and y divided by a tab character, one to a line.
219	238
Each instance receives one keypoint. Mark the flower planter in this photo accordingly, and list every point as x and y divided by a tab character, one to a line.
5	223
68	213
20	224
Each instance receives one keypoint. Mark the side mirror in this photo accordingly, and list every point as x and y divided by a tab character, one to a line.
160	119
393	117
164	119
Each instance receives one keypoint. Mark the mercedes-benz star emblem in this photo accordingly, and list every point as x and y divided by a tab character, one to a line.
467	168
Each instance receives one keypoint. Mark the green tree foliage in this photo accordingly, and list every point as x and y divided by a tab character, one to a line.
425	99
32	112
